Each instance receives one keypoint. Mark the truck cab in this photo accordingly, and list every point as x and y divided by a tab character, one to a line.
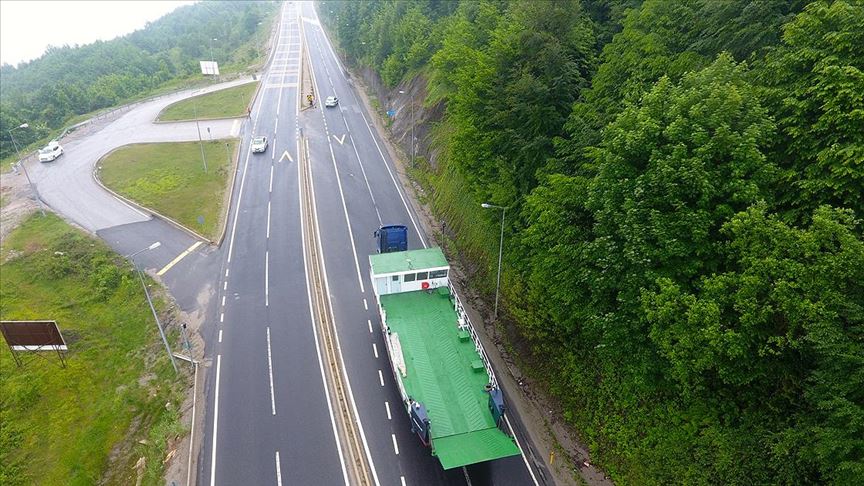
390	238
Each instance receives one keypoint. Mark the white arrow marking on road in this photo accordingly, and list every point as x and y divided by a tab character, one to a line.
286	154
340	140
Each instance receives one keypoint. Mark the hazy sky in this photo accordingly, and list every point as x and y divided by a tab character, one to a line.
27	28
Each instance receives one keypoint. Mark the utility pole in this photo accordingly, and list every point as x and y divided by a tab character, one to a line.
500	250
198	126
24	166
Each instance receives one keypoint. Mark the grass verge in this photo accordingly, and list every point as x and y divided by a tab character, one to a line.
170	178
118	398
225	103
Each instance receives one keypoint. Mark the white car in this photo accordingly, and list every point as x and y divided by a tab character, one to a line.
50	152
259	145
331	101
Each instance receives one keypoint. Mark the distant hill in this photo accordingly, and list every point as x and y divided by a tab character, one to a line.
68	81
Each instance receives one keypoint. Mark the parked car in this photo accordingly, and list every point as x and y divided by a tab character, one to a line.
259	145
331	101
50	152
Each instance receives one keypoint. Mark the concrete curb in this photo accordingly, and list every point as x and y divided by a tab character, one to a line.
143	209
158	121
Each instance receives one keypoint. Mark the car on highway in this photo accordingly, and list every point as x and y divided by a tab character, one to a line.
331	101
50	152
259	145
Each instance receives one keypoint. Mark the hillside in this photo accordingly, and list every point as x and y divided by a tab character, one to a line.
683	262
72	80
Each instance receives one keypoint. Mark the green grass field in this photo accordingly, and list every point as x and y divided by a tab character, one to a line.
170	178
117	399
230	102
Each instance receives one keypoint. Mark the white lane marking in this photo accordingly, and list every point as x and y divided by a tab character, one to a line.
375	350
226	272
225	286
215	422
273	152
271	179
380	152
381	377
387	406
395	445
276	125
267	278
530	471
286	155
220	335
222	317
340	140
268	219
347	219
365	305
278	471
338	345
369	321
402	479
223	301
363	171
270	368
179	257
315	332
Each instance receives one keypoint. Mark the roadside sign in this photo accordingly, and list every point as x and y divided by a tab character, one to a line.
33	336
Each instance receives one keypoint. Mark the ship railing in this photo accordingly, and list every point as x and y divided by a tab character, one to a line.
465	324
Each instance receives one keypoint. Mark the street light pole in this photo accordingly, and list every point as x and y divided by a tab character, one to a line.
500	250
212	59
150	301
198	126
24	166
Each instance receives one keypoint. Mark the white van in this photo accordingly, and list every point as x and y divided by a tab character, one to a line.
50	152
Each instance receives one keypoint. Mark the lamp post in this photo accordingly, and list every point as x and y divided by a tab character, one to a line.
258	39
150	301
212	59
24	166
500	250
412	127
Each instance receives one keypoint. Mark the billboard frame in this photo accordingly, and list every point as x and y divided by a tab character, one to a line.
34	337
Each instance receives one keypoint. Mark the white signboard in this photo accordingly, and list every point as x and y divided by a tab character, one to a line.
210	68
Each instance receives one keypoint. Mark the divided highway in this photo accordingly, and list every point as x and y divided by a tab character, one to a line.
270	418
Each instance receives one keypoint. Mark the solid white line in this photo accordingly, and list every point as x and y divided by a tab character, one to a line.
192	431
375	349
530	471
381	377
270	367
267	278
278	471
369	321
395	445
268	219
347	219
220	335
271	178
215	422
242	185
363	170
387	406
179	257
365	305
315	332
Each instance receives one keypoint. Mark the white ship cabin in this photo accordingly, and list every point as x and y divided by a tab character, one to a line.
409	271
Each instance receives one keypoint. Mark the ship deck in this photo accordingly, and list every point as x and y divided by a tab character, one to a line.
445	373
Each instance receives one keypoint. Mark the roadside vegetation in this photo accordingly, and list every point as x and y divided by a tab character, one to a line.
68	81
225	103
118	398
683	245
170	179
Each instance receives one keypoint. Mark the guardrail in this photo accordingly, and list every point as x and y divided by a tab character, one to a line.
465	324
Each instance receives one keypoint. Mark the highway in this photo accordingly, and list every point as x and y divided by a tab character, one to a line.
270	419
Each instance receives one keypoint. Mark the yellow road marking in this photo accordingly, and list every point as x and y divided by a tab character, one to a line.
179	257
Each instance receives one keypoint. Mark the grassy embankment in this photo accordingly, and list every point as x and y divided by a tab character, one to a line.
117	399
170	178
225	103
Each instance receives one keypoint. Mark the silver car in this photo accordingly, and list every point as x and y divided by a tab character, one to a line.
259	145
331	101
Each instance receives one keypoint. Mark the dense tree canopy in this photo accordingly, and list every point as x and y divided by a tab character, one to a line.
686	180
72	80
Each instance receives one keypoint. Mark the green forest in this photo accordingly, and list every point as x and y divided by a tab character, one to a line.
73	80
685	186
